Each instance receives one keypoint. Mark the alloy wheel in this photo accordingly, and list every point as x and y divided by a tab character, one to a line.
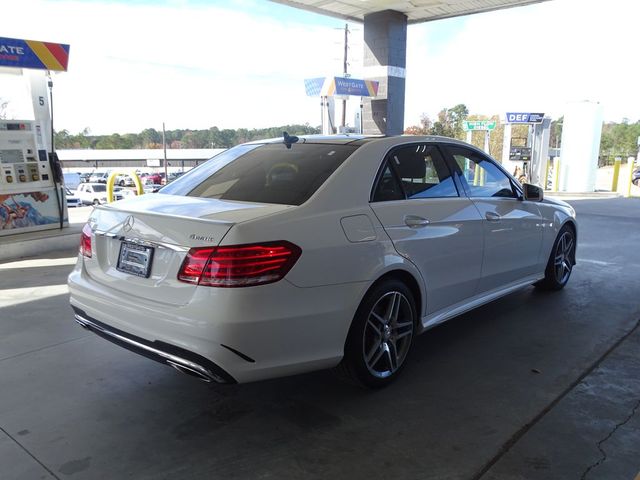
388	334
563	257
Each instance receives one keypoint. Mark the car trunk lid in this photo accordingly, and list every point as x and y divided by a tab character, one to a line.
160	230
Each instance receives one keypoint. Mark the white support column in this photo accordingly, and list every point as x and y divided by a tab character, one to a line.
506	144
41	108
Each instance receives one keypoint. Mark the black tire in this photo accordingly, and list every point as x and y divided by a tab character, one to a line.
561	261
121	183
96	201
379	340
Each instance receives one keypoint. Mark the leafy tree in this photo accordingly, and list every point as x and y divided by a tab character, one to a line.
150	138
619	140
448	124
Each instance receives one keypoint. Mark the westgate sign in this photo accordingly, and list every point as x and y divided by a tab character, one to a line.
33	54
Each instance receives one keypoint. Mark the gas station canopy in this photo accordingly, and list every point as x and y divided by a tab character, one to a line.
416	10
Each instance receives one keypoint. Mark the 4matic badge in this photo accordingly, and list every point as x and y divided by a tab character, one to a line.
202	238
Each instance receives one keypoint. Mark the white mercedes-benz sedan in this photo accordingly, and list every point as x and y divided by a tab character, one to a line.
290	255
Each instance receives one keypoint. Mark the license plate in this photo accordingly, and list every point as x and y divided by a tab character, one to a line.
135	259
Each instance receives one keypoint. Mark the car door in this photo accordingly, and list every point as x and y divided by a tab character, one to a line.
430	223
512	226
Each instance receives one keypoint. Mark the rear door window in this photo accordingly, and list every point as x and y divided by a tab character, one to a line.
415	171
270	173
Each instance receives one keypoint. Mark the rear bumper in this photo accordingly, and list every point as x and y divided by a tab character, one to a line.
240	335
182	360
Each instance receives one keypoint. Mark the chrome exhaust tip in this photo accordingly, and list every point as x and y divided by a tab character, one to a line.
190	371
82	324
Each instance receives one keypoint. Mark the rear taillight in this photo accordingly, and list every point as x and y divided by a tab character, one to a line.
85	240
239	265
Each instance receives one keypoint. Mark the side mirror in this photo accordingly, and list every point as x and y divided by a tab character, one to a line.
533	193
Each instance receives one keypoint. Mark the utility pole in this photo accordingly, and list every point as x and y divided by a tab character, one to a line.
344	70
164	146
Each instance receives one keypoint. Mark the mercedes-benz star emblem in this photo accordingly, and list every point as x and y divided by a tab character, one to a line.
128	223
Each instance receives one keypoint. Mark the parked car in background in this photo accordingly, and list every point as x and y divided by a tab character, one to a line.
151	187
174	176
71	180
84	177
125	180
155	178
120	193
99	177
92	193
72	199
276	258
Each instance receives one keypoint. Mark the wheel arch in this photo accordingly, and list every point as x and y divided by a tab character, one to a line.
571	223
409	279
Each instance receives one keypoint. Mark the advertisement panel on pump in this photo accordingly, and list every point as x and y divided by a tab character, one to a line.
28	198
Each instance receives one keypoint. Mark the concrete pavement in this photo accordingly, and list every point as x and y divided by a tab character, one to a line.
535	385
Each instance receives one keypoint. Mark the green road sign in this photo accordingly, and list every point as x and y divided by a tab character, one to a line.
478	125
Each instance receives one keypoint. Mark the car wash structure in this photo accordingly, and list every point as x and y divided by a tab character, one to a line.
31	183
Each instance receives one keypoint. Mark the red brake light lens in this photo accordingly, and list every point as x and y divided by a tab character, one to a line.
85	241
239	265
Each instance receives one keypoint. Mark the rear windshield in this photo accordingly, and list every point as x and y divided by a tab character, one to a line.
99	188
269	173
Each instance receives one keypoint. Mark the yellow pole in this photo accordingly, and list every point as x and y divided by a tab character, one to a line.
616	174
476	176
628	191
546	175
556	174
110	183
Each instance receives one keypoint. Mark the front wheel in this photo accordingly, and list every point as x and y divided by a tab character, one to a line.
381	335
96	202
561	261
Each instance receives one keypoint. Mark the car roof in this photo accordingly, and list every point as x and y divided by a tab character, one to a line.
343	139
357	139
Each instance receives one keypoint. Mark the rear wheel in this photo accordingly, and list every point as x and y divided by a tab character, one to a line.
381	335
121	183
561	261
96	201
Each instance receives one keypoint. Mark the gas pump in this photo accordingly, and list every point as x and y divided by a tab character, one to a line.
28	199
526	155
31	183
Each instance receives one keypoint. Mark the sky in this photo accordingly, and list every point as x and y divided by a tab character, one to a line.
194	64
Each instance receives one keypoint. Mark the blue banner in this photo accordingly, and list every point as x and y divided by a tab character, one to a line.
352	86
313	86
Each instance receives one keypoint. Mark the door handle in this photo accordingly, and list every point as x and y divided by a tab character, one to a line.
492	216
415	221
